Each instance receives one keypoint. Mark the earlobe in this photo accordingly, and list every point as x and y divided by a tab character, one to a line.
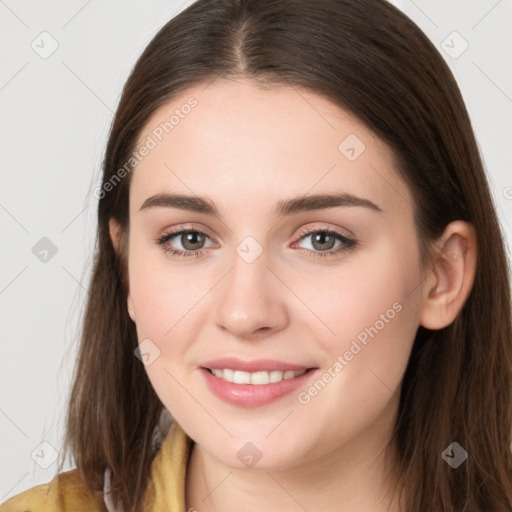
452	276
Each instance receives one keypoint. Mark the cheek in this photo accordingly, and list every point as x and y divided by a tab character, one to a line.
371	312
375	319
162	302
160	293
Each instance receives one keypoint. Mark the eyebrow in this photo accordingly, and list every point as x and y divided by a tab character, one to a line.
285	207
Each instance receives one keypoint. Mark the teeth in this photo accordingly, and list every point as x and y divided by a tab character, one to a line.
276	376
241	377
227	375
258	378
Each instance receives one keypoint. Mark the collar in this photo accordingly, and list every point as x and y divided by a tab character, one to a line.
166	488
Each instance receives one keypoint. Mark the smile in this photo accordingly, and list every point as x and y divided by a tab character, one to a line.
256	388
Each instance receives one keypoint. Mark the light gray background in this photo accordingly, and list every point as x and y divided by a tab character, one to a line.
56	113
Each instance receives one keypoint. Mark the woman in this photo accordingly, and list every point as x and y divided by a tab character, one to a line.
300	298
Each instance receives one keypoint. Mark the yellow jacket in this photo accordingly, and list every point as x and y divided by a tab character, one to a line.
66	493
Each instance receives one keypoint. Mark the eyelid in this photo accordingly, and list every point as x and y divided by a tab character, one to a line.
188	227
324	226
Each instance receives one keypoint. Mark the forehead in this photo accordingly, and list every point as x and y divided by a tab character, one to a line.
230	139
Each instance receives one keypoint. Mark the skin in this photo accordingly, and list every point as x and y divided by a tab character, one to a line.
248	148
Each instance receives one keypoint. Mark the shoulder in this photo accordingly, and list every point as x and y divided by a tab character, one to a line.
66	492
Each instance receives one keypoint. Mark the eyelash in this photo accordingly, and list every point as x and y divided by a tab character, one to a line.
348	243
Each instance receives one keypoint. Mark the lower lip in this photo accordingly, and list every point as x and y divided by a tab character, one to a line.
253	395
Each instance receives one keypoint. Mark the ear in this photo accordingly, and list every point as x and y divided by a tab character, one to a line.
450	282
115	235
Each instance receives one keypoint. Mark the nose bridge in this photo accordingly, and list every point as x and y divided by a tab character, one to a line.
249	299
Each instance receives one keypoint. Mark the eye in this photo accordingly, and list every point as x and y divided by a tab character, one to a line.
323	242
190	239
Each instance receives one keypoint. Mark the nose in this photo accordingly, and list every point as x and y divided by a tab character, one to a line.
251	300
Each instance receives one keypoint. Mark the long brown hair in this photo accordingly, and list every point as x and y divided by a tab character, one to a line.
370	59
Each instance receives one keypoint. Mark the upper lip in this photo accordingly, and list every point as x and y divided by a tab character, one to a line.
255	365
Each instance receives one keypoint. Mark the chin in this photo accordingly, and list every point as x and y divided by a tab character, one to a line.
255	453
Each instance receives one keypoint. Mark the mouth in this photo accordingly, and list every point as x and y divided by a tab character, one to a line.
254	383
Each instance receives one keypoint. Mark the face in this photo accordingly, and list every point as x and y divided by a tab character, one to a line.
272	279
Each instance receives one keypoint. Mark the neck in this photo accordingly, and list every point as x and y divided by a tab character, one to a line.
352	476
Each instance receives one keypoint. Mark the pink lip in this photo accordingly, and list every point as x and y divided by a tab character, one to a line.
252	395
232	363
